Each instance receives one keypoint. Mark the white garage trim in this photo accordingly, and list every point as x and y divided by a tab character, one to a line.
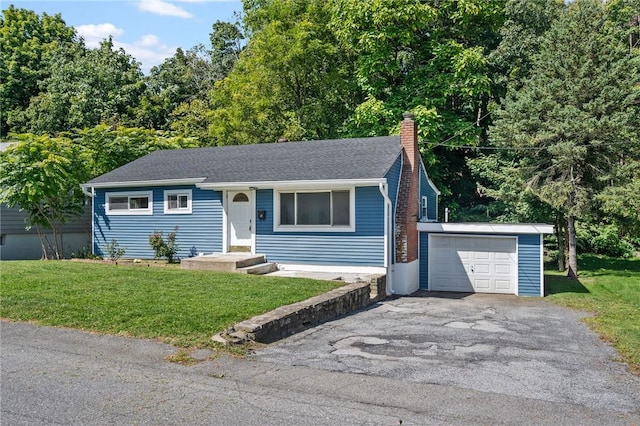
486	228
491	261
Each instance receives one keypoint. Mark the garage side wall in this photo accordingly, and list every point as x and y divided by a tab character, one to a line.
424	261
529	266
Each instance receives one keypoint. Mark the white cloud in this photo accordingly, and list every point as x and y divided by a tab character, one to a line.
148	50
149	40
163	8
94	34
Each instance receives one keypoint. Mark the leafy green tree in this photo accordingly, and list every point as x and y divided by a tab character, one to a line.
178	90
102	149
291	81
227	41
85	87
192	119
180	79
626	14
430	58
28	42
577	116
41	175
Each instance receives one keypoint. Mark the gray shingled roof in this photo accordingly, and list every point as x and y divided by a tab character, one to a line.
361	158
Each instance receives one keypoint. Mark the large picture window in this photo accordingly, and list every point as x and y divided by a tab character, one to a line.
315	210
177	201
129	203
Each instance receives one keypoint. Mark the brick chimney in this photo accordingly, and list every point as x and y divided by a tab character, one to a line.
408	205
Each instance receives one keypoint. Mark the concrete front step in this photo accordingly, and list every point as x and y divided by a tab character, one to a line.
228	262
259	269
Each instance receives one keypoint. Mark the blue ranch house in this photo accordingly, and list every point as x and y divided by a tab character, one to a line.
351	205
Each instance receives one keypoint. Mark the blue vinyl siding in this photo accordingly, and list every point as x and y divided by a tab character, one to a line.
529	264
364	247
432	197
200	231
393	181
424	260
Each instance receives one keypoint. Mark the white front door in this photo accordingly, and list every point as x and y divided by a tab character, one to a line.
473	264
240	219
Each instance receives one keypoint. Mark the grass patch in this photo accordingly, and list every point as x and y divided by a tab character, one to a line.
182	357
183	308
610	289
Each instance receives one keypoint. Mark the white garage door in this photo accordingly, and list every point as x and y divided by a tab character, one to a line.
473	264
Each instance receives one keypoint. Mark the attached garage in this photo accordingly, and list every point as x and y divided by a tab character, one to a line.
482	258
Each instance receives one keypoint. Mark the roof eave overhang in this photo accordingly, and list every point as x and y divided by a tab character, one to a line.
145	183
485	228
306	184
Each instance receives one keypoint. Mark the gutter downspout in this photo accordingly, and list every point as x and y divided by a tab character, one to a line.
86	192
387	252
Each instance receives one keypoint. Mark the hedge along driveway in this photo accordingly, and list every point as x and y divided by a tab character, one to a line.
184	308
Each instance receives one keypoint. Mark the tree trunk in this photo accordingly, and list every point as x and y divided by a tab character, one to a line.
56	229
61	242
56	249
42	238
560	240
573	257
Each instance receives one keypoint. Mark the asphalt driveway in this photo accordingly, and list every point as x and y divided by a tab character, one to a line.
522	347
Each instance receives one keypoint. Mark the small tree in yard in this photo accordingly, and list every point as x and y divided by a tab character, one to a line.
114	251
162	248
41	176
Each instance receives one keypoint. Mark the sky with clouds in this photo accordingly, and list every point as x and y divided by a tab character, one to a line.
148	30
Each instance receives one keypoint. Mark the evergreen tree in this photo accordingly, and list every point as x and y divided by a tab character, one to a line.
576	118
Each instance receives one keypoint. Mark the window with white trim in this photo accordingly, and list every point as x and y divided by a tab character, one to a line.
129	203
177	201
331	210
424	213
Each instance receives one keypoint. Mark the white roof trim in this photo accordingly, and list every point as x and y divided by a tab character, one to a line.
486	228
308	184
134	183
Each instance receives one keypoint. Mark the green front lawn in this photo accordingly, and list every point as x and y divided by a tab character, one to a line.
610	289
184	308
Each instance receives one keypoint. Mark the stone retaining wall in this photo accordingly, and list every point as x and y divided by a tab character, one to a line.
291	319
378	288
